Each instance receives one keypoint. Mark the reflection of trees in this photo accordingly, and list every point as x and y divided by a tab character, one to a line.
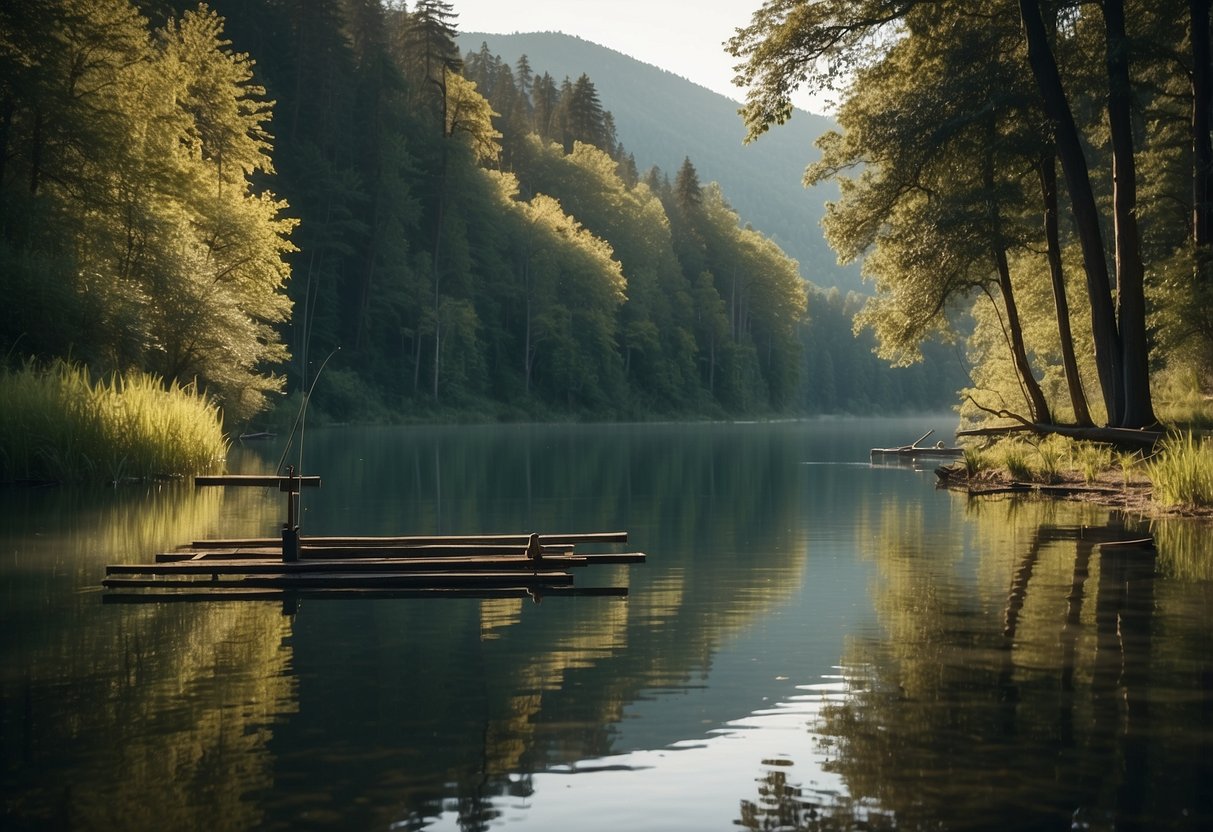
509	689
128	717
784	806
1022	696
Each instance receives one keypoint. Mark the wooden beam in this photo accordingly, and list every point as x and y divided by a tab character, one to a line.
259	481
419	540
282	580
365	565
129	594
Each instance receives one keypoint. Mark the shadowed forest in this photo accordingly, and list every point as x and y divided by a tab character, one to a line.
233	194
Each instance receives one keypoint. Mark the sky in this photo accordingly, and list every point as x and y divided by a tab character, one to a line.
685	37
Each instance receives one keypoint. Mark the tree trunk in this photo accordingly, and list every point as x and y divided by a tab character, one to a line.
417	359
1202	103
1036	398
35	155
1048	188
364	300
1104	331
437	347
1130	275
6	121
527	352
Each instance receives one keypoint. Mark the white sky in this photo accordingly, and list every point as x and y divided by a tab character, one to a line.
685	37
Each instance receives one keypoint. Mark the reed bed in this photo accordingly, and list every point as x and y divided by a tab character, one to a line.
58	424
1182	472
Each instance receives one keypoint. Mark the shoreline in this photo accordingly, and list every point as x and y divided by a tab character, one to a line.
1134	495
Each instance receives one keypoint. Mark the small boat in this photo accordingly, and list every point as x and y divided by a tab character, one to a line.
918	451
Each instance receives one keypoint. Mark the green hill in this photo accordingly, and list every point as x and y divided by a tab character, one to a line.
661	118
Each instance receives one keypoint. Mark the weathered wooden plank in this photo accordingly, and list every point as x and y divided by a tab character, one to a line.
334	552
410	552
282	483
379	565
604	558
359	580
135	595
1140	543
265	553
418	540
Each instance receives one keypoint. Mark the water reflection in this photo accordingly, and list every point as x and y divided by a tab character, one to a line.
1022	685
999	667
134	718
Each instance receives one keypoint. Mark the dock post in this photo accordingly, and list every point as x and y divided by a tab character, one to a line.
290	529
290	543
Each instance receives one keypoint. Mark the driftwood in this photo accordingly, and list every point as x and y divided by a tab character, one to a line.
914	451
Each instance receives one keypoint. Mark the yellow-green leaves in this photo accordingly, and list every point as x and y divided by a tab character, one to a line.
469	115
140	147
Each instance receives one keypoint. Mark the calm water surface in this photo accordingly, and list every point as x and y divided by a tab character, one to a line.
814	643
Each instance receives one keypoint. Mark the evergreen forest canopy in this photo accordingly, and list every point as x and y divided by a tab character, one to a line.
228	194
762	181
954	118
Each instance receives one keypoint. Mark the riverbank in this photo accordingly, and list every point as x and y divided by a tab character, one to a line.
1132	493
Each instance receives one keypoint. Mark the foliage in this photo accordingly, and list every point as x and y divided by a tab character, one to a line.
1052	451
1092	459
1128	461
1182	472
471	234
975	461
57	423
127	182
1016	458
953	118
1179	397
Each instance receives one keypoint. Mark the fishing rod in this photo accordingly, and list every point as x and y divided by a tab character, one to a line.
301	417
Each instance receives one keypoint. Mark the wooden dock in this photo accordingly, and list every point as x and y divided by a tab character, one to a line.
485	565
368	563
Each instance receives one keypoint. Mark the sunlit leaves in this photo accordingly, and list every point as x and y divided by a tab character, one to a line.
146	170
816	44
469	115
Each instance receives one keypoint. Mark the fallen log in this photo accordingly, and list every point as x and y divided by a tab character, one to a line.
1131	439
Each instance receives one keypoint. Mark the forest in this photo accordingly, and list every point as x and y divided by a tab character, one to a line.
239	195
1088	291
272	197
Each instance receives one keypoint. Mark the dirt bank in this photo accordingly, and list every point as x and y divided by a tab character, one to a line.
1133	495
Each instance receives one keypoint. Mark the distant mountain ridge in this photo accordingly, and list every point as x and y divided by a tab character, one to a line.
662	118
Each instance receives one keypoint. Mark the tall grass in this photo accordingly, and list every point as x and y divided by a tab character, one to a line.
56	423
1182	472
1054	453
1015	459
975	462
1092	459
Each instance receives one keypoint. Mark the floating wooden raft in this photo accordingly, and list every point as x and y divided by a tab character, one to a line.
364	563
481	565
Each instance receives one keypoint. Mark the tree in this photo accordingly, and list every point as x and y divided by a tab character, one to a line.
585	120
145	152
823	43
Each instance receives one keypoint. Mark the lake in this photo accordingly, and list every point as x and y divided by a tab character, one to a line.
814	643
